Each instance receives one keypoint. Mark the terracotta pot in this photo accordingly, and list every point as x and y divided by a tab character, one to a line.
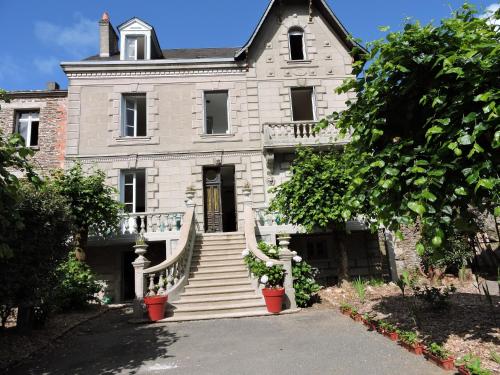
356	317
462	370
274	299
156	307
417	349
345	311
446	364
392	335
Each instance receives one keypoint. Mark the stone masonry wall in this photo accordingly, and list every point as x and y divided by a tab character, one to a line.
49	153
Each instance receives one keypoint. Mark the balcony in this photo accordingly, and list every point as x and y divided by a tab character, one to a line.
291	134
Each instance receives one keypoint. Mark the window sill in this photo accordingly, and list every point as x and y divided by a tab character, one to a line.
299	62
222	135
130	141
207	138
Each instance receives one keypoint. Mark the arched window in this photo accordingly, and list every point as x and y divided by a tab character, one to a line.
296	44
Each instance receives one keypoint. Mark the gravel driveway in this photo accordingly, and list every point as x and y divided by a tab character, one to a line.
314	341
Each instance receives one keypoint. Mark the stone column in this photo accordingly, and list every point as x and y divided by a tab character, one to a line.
286	256
140	263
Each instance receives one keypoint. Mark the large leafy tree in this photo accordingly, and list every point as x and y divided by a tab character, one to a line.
425	126
313	196
93	204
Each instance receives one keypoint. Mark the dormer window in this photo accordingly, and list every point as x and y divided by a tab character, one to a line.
135	47
296	44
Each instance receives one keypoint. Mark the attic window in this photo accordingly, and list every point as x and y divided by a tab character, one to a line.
296	44
135	47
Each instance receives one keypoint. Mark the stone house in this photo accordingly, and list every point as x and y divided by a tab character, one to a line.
212	129
40	116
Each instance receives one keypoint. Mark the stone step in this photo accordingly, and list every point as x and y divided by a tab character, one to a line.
220	235
212	315
223	244
217	252
215	271
228	307
219	290
214	296
217	263
217	285
188	302
215	280
219	276
215	258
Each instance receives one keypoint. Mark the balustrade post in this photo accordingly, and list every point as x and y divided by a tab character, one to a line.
286	256
140	263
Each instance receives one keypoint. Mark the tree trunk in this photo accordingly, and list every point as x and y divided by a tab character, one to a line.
343	270
81	239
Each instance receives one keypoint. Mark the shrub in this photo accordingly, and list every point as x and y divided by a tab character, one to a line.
409	337
77	285
375	282
436	297
360	287
345	307
387	327
438	351
473	364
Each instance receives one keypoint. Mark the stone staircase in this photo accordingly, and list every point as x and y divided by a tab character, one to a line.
218	285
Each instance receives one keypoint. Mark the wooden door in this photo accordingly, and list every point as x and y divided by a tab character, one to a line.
213	203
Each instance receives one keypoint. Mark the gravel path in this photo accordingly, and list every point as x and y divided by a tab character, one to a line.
315	341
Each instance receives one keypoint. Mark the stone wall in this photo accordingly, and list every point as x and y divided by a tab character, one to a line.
50	151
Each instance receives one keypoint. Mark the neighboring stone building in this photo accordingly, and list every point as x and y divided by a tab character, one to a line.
40	116
219	123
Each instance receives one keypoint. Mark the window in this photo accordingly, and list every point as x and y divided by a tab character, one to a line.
135	47
134	115
27	127
133	191
296	44
302	104
216	115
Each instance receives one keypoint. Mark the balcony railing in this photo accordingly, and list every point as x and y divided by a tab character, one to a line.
291	134
151	222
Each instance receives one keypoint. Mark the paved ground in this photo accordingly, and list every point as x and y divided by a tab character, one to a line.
319	341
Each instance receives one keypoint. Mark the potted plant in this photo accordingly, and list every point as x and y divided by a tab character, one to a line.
345	308
471	365
440	356
273	290
388	330
411	342
155	301
369	321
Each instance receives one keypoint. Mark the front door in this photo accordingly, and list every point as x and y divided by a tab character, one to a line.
219	199
213	203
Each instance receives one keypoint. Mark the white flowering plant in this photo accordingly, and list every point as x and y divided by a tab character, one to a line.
268	273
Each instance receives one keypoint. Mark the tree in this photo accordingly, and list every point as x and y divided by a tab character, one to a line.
313	197
92	203
425	127
13	162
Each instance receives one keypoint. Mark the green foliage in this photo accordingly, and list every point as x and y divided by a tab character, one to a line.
303	274
495	357
76	285
360	288
376	282
473	364
436	297
92	201
344	306
425	130
438	351
41	244
409	337
387	327
407	279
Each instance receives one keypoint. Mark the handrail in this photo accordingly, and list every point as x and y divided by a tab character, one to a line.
251	240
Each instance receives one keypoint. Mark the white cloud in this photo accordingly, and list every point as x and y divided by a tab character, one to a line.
78	39
490	10
46	65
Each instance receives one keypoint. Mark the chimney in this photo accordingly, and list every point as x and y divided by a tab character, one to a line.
52	86
108	40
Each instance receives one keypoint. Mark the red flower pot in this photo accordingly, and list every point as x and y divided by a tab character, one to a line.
462	370
156	307
274	299
345	311
446	364
356	317
417	349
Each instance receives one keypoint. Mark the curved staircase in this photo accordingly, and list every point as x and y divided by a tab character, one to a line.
218	284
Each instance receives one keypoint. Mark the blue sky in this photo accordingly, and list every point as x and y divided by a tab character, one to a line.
39	34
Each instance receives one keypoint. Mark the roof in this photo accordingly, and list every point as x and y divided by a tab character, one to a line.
181	53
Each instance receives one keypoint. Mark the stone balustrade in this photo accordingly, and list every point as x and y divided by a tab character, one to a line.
291	134
151	222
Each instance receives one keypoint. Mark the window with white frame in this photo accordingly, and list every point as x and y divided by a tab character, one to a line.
296	44
303	104
135	47
134	115
216	114
133	190
27	126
